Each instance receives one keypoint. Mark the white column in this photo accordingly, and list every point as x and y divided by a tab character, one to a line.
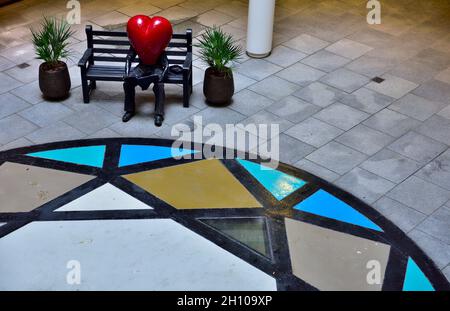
260	28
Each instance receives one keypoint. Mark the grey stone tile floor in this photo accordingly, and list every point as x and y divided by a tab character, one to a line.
387	143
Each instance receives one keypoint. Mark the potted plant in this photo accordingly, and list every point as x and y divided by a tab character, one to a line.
218	49
51	45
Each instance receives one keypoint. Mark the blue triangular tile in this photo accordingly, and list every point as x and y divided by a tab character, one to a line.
324	204
278	183
90	155
135	154
415	279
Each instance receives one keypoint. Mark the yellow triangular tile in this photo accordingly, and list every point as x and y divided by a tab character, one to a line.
196	185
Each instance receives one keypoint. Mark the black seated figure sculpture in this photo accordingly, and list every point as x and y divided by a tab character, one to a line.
143	75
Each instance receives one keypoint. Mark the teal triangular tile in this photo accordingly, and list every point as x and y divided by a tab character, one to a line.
278	183
415	279
90	155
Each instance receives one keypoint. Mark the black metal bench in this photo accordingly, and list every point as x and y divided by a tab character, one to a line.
106	56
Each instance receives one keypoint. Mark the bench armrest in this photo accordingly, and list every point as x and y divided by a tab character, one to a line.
84	60
131	56
188	61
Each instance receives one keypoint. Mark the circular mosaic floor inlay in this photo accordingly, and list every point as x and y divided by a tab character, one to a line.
123	214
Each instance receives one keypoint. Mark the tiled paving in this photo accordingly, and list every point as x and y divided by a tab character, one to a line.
316	84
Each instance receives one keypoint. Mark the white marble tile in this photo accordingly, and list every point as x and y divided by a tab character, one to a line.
150	254
104	198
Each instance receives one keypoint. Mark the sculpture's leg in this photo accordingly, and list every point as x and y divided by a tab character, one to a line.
160	96
130	91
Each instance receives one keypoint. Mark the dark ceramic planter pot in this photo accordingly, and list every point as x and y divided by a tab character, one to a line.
54	82
218	88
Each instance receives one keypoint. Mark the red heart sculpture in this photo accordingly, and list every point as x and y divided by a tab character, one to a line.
149	36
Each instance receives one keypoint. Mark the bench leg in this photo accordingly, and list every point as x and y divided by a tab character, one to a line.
92	85
186	94
85	87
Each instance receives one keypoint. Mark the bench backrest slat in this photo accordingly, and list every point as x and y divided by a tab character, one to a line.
124	34
176	61
110	42
111	51
109	33
176	53
110	59
177	44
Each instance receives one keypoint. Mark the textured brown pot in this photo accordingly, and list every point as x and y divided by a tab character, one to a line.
54	82
218	88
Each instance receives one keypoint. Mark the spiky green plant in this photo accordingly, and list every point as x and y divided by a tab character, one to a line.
218	49
51	41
